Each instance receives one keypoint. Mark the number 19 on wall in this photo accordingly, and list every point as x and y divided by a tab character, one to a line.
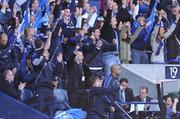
172	72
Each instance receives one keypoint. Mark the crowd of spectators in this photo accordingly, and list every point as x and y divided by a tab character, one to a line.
51	44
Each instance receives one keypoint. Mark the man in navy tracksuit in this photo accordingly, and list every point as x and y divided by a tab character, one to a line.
111	81
8	55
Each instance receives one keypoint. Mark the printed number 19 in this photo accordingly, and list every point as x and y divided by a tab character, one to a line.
174	71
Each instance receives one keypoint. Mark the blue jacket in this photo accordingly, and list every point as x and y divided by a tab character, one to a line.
26	74
8	58
45	71
110	82
143	38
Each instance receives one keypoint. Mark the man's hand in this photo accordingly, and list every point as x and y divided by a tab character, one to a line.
60	57
112	109
176	100
46	55
14	70
158	81
177	18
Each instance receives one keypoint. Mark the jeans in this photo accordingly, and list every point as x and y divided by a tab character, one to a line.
139	57
108	59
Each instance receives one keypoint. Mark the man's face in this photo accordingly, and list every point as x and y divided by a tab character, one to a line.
142	93
175	10
124	85
36	4
79	57
113	21
3	40
117	71
141	20
51	18
10	76
98	83
168	102
67	13
97	33
5	4
88	8
55	83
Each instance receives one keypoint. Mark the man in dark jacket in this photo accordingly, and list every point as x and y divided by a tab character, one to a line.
96	102
45	71
110	33
111	81
8	55
143	95
125	93
78	74
173	43
7	85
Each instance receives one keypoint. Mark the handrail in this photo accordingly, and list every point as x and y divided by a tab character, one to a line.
137	102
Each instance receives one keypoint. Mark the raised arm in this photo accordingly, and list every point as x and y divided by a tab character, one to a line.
48	42
175	105
172	27
136	33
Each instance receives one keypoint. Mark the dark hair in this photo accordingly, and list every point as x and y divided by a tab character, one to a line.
13	22
31	3
93	30
93	79
144	87
38	43
168	96
123	80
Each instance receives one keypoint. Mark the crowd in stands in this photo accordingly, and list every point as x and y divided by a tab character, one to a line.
49	47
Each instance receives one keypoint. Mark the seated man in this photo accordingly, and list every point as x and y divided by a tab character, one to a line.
125	93
7	85
143	97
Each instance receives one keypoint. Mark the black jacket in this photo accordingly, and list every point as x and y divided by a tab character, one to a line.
129	96
137	98
96	102
9	89
45	71
107	32
173	45
75	73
